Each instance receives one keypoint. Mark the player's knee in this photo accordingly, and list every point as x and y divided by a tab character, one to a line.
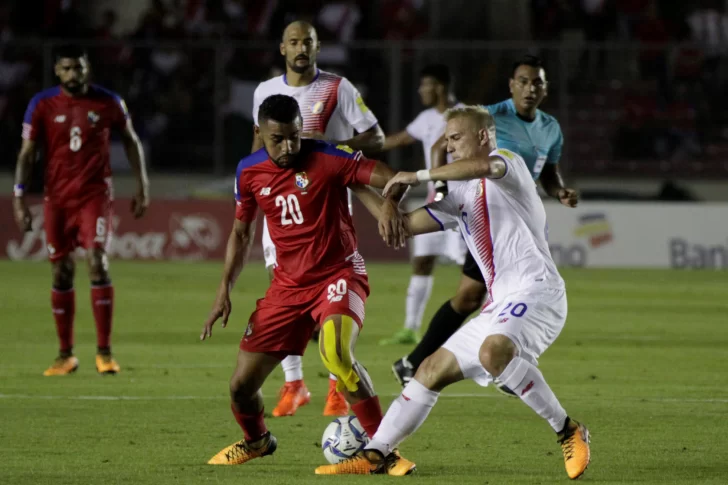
63	271
436	372
242	389
496	353
469	297
423	265
98	266
335	350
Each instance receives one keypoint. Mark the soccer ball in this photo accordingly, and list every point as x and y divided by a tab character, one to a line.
342	438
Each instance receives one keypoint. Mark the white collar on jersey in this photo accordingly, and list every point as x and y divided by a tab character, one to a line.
318	73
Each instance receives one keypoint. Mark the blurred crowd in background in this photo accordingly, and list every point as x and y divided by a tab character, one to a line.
647	97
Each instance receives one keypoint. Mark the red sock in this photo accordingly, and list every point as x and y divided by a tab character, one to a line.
252	424
63	304
102	303
369	413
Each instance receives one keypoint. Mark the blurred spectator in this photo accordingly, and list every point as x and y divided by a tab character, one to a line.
337	22
709	27
400	20
653	29
64	18
548	18
629	14
598	23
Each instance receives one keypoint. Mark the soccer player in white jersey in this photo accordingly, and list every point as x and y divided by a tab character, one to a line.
332	109
427	128
501	216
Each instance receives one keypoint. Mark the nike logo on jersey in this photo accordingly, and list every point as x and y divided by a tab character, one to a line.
60	119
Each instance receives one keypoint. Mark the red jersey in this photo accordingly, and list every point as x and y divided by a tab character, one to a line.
76	134
307	209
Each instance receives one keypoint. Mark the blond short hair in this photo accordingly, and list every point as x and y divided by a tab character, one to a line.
481	116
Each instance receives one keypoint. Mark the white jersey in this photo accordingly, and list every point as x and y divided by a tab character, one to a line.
427	128
330	105
503	222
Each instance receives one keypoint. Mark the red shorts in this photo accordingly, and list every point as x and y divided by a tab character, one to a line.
280	327
87	225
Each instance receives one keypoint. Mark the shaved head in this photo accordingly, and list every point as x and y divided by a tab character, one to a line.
300	28
299	46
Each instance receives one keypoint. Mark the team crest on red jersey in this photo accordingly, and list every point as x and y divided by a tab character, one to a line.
301	180
93	117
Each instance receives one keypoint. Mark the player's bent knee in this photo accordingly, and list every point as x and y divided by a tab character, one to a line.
98	263
439	370
335	351
496	353
423	265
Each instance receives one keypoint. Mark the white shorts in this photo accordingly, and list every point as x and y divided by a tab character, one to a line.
269	250
445	244
532	320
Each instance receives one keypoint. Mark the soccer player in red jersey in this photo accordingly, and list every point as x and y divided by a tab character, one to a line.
319	279
74	120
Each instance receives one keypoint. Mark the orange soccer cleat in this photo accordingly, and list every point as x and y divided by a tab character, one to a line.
242	452
294	394
105	364
336	404
574	441
62	366
370	462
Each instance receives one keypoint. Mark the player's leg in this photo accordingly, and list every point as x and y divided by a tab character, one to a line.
524	331
451	315
294	393
424	257
95	236
247	406
337	339
63	296
404	416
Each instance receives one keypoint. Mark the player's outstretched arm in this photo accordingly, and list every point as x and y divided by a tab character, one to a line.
236	254
397	140
553	185
135	153
464	169
23	169
421	222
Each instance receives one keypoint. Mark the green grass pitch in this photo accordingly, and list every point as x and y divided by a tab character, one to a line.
643	361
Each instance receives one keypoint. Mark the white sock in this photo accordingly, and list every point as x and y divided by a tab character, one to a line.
293	368
528	383
404	416
418	294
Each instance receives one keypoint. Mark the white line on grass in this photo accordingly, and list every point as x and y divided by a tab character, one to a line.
214	398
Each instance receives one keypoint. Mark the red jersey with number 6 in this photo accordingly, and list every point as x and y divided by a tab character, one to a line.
307	209
76	133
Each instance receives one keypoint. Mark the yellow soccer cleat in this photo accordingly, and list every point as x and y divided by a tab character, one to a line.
370	462
240	452
105	364
62	366
574	441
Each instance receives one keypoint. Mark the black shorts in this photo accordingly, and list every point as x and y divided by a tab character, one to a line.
471	269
